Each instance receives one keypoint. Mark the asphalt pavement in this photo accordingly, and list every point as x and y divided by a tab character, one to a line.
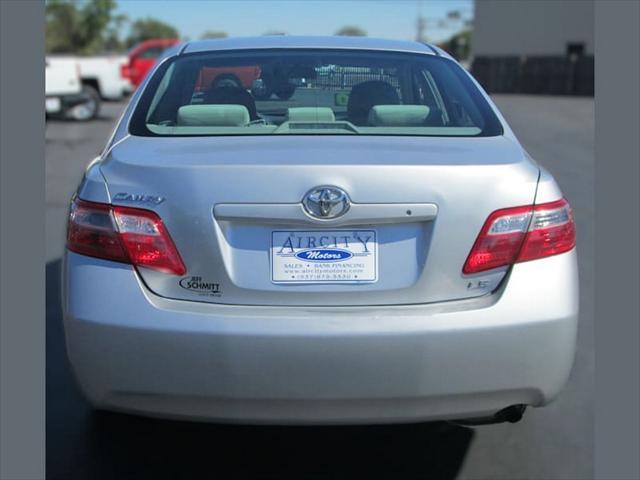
554	442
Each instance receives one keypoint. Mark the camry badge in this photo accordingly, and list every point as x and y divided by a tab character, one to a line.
138	198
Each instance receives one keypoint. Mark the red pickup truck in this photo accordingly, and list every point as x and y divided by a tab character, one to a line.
143	56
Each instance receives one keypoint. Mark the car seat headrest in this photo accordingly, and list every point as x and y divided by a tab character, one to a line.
398	115
310	114
365	95
230	95
213	115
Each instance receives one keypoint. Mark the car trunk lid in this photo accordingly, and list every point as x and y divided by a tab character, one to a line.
233	206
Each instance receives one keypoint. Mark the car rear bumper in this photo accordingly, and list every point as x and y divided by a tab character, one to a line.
134	351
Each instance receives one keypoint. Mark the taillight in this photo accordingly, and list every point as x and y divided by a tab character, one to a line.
91	231
519	234
124	71
122	234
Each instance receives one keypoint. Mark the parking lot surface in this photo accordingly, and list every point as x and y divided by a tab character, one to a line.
554	442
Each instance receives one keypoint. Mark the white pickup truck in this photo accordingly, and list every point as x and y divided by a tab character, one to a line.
103	74
65	96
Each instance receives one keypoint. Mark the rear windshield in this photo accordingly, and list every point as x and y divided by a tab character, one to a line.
288	92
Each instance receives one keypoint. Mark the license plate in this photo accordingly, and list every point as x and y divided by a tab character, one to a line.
324	256
52	105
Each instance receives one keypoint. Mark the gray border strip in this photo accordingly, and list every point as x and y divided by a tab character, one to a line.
22	279
22	260
617	85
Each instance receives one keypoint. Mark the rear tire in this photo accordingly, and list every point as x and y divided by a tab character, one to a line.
87	110
285	92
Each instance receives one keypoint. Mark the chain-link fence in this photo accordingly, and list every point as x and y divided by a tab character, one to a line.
340	78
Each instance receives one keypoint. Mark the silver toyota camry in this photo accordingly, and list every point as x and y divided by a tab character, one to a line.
318	230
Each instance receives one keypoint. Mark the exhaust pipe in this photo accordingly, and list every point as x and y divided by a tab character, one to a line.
511	414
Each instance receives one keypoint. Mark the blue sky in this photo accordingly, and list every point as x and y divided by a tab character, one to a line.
380	18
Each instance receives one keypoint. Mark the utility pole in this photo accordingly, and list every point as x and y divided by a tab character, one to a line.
420	24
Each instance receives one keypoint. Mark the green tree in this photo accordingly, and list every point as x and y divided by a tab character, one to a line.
74	26
149	28
351	31
214	34
113	42
459	45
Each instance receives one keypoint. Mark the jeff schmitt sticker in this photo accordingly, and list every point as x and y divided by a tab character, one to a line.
201	287
327	256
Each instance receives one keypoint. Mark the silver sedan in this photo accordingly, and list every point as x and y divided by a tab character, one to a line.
345	230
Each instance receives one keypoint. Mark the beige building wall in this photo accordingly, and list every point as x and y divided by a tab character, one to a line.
532	27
